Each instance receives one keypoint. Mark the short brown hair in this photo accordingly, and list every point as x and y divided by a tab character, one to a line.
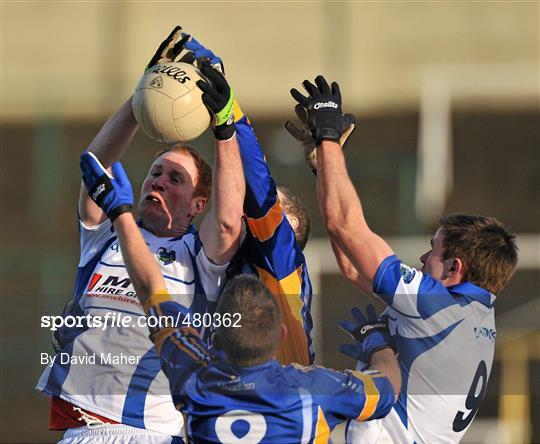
203	187
292	205
256	341
486	247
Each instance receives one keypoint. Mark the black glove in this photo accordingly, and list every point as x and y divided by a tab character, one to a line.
170	48
323	107
304	137
218	97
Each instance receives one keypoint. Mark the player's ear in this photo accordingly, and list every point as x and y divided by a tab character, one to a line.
454	269
197	205
293	220
283	332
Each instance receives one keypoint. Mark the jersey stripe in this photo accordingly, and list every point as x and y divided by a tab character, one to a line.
264	227
322	432
372	396
133	413
161	335
156	299
307	415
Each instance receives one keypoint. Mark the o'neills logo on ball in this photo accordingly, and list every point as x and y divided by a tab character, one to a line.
171	71
328	104
157	82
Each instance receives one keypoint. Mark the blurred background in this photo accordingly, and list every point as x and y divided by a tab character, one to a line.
446	96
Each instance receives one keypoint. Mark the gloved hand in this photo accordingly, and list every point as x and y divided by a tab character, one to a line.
218	97
323	110
170	48
371	334
304	137
112	193
198	53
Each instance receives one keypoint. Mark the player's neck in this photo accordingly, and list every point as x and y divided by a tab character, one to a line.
161	231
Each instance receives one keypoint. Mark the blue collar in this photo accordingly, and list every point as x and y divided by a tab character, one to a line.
472	292
272	363
190	230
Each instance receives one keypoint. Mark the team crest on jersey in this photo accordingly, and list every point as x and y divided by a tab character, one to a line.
166	257
407	273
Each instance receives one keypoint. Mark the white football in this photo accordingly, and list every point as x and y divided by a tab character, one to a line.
167	103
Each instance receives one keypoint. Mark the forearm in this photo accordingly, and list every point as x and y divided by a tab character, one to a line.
229	185
109	145
348	269
142	267
385	362
220	230
338	201
343	215
115	136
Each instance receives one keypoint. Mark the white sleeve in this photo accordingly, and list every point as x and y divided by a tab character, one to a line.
93	239
212	275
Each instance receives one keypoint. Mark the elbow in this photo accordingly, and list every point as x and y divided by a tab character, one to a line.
350	273
339	224
339	231
231	224
333	226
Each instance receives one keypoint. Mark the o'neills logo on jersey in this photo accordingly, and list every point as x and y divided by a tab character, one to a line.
170	71
110	285
328	104
485	333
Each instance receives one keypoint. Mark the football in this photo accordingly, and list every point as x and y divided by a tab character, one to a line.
167	103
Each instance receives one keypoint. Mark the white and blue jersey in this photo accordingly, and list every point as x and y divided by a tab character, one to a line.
266	403
445	339
124	381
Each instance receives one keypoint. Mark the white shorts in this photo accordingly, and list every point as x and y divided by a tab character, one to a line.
115	434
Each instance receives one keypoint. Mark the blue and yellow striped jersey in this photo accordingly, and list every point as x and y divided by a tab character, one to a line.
271	252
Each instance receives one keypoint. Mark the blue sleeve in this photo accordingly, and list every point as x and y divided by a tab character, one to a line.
360	396
272	243
180	348
409	291
261	193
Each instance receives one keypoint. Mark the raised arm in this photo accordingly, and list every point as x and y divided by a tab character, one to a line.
221	227
338	201
344	218
108	146
117	134
262	208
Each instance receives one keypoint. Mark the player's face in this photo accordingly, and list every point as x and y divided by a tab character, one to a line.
432	260
167	204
